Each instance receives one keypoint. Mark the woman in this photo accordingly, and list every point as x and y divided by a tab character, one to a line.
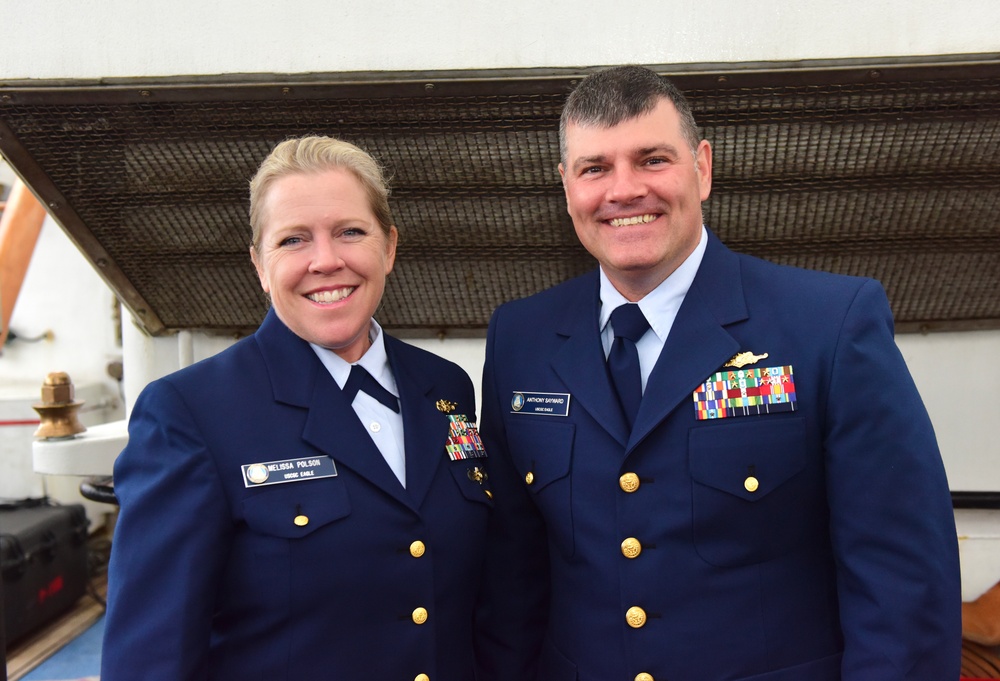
274	525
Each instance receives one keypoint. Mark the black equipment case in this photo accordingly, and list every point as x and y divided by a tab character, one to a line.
43	555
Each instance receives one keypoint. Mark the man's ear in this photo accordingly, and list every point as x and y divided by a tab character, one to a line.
562	176
703	165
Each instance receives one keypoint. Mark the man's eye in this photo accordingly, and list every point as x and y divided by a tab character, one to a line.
591	170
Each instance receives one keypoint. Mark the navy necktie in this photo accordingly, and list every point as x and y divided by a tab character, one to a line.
629	324
362	380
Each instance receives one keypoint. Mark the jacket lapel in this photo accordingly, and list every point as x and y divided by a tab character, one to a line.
698	344
580	362
425	429
299	379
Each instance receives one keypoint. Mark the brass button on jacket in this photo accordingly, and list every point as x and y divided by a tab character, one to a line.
417	549
629	482
631	547
301	520
636	617
419	615
424	677
529	477
644	676
751	484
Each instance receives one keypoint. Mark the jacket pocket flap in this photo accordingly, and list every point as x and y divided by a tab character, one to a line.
542	452
296	509
748	460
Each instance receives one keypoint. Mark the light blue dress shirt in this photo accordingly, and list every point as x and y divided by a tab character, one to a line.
383	424
659	306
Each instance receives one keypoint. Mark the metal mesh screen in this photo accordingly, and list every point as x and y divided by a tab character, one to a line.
890	173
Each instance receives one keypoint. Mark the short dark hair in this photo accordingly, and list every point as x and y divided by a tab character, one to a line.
621	93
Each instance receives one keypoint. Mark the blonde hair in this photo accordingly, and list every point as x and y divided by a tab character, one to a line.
315	154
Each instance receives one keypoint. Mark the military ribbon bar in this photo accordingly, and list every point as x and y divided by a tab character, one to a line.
745	392
463	439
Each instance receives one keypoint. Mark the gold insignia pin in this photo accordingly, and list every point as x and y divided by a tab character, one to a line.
445	406
742	359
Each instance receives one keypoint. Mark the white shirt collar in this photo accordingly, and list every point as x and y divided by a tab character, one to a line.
375	361
660	305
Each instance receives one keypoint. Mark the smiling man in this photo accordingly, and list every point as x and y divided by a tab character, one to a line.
733	476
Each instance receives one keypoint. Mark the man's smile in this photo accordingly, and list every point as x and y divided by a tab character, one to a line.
634	220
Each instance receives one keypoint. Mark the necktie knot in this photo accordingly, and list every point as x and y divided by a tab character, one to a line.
360	379
629	322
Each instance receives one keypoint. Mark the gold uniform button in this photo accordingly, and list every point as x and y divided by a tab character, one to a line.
301	520
643	676
419	615
417	549
631	547
529	477
751	484
629	482
424	677
636	617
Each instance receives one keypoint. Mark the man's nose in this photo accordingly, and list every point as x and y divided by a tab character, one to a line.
626	185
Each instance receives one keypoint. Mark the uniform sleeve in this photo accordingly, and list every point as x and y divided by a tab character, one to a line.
169	547
513	608
892	521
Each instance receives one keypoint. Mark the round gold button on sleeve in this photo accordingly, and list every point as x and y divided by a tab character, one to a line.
301	520
424	677
644	676
636	617
629	482
529	477
751	484
417	549
419	615
631	547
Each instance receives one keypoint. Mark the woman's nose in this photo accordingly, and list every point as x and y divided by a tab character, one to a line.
326	256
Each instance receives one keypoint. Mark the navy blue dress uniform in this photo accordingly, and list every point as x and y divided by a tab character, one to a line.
337	572
811	538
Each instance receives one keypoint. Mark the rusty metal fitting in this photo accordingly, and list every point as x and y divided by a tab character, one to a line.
58	408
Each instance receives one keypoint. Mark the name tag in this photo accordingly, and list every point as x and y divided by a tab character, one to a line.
288	470
542	404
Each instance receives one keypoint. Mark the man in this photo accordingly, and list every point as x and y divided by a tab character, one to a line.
765	501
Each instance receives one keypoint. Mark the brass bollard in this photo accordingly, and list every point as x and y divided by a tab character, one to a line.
58	408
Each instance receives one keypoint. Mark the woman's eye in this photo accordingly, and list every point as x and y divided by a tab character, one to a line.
290	241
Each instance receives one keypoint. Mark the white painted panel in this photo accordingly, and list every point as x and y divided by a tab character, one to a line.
978	550
956	374
122	38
